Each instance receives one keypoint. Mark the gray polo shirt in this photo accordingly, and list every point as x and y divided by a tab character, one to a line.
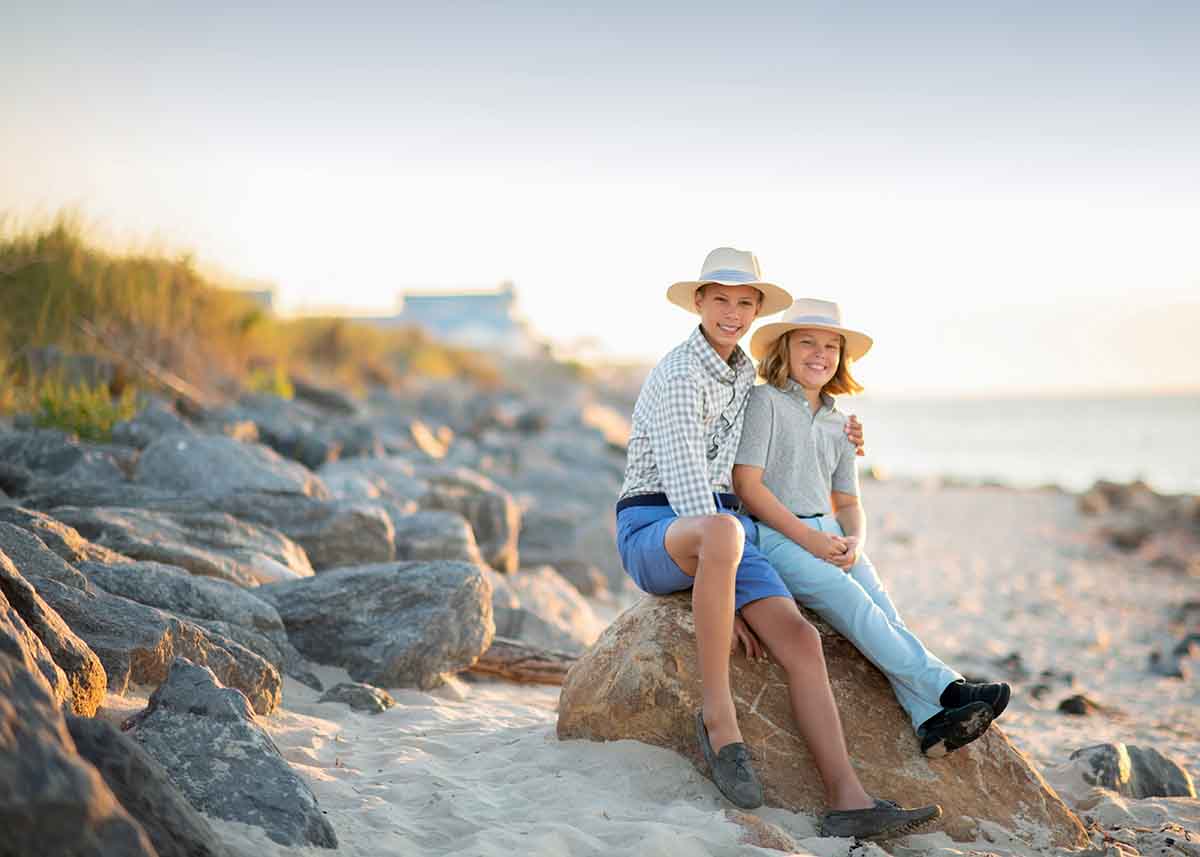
802	456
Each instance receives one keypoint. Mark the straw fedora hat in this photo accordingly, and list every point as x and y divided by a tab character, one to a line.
730	267
807	312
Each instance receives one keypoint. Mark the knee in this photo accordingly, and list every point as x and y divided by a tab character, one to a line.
721	534
803	648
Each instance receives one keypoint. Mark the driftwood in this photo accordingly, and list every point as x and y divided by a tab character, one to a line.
516	661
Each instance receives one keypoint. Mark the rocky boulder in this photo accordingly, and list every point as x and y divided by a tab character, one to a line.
151	423
145	790
435	534
137	643
217	466
31	555
58	537
18	642
333	533
168	587
209	543
51	800
371	478
394	624
641	681
489	509
86	678
219	606
538	607
46	452
1133	771
206	737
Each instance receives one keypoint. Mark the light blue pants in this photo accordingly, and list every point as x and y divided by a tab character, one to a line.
858	606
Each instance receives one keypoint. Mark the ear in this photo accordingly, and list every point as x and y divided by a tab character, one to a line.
696	297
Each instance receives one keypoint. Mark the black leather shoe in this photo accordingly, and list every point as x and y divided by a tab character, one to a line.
994	693
730	769
952	728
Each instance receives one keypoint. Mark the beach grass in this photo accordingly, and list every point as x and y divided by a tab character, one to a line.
147	316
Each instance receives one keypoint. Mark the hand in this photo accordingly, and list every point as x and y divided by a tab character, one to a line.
755	650
854	434
826	547
847	560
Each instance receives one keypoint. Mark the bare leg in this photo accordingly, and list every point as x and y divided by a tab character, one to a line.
796	646
709	548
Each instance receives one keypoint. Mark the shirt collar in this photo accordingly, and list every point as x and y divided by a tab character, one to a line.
793	389
739	364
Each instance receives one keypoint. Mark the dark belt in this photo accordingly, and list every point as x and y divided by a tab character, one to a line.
727	501
798	515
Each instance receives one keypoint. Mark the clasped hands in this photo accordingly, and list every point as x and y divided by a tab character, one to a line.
842	551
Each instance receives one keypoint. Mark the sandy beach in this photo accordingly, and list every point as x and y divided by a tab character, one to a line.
998	582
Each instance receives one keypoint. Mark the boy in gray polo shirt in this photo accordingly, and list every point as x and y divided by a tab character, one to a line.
797	475
676	530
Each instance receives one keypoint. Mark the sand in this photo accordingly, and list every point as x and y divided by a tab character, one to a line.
979	573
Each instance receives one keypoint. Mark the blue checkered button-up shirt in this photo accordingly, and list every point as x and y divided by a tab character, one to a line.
686	426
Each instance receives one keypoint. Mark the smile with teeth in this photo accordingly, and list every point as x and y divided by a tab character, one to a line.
729	328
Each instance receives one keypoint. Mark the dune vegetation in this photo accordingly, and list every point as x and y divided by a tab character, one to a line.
83	329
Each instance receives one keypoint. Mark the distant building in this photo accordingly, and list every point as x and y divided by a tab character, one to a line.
485	319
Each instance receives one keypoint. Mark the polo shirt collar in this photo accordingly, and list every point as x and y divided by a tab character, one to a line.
713	364
793	389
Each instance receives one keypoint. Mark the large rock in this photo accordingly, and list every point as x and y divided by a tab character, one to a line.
18	642
293	429
207	739
31	555
371	478
52	801
392	625
333	533
60	538
170	588
208	543
538	607
641	681
216	605
90	493
561	533
145	790
216	466
48	452
491	511
1133	771
151	423
137	643
435	534
84	673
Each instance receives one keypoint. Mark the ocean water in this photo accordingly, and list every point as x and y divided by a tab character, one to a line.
1026	442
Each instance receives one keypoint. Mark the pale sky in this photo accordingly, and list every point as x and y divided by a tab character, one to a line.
1006	197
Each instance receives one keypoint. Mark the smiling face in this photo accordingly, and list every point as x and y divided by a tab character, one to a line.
813	356
726	313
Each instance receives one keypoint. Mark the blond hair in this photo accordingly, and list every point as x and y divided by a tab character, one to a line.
775	369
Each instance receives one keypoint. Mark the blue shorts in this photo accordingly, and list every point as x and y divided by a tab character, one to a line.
641	541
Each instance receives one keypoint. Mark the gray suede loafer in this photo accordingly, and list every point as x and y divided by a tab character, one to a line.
880	821
730	769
